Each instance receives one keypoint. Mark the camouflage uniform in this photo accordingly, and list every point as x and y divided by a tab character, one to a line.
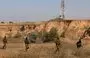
26	41
4	42
79	45
58	44
87	32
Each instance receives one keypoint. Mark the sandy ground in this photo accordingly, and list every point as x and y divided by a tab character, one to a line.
44	50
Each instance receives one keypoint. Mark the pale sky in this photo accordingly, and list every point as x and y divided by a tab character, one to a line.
41	10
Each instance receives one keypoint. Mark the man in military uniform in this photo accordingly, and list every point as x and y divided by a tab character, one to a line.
79	44
58	44
87	32
26	41
4	42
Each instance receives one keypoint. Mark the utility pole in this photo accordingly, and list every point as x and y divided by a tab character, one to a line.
62	9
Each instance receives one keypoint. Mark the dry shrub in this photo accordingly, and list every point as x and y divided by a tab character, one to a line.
18	35
47	51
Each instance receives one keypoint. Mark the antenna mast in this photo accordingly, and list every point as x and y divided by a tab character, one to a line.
62	9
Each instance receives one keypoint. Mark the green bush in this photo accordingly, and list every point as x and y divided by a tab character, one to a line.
45	37
49	36
53	32
32	37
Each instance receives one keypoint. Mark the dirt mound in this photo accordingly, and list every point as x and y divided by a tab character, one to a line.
73	31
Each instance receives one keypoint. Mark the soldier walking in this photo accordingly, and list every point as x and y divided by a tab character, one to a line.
58	44
26	41
79	44
4	42
86	32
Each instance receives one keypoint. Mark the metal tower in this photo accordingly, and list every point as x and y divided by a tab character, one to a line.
62	9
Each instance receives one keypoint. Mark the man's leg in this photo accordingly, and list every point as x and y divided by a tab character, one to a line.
4	46
27	46
57	48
